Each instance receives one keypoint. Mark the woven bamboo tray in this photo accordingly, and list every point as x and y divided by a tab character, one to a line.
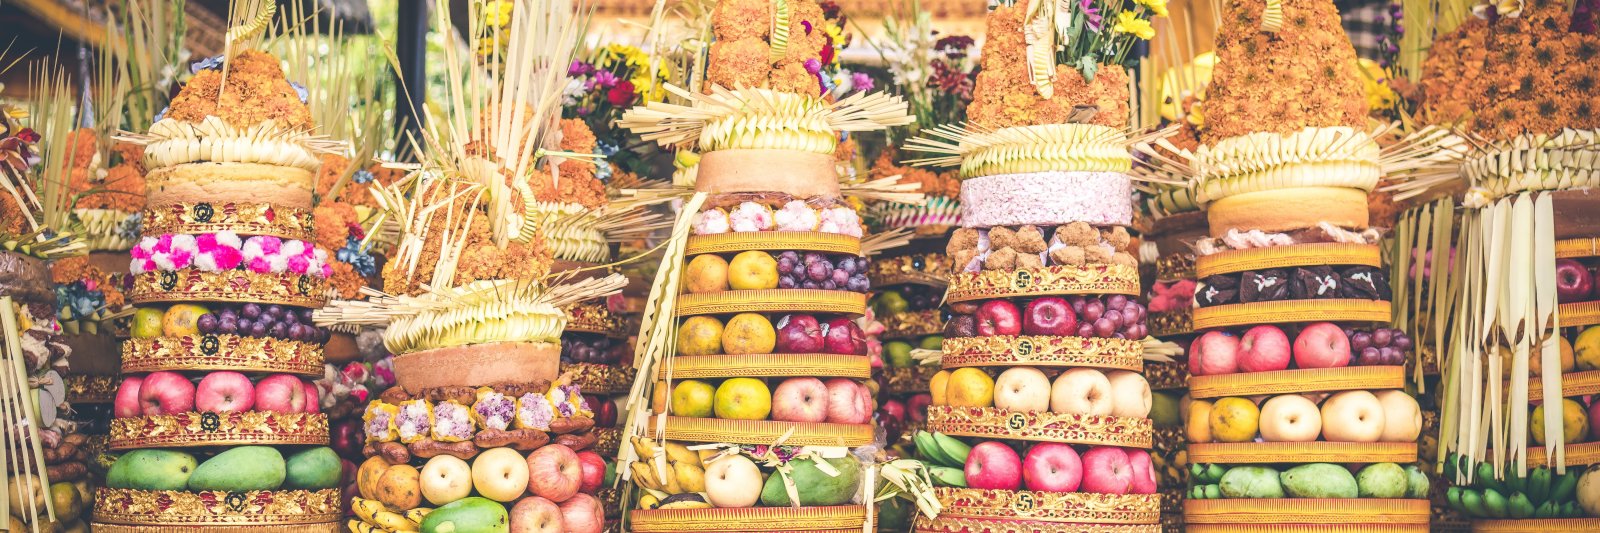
1572	384
1537	525
992	423
211	509
1354	515
773	300
1291	311
1288	256
776	241
237	286
1580	454
1058	280
221	352
1069	507
761	432
1576	248
1579	314
213	429
243	218
835	518
1303	452
960	524
328	527
1043	351
1292	381
767	365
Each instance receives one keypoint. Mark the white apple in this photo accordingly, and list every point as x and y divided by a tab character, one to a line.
1130	394
446	478
1081	391
733	481
1352	416
536	515
1022	389
1402	417
1290	418
500	474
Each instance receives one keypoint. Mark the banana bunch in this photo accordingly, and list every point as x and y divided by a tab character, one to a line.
1542	494
1170	471
1204	480
682	469
373	517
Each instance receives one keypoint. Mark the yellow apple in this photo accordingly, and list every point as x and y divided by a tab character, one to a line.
692	398
743	399
706	274
970	387
753	270
700	335
937	385
1587	349
1574	422
1234	420
748	333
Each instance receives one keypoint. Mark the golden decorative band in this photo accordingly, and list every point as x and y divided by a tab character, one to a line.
768	365
910	380
216	508
1306	511
245	219
992	423
1580	454
190	285
1043	351
91	389
1579	314
1302	380
911	324
1575	248
774	241
1291	311
960	524
1091	279
221	352
1288	256
1536	525
750	519
1305	452
763	432
218	429
600	379
1572	384
1050	506
773	300
329	527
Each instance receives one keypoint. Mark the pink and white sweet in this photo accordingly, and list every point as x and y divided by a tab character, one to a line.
796	215
224	251
494	410
452	422
1047	199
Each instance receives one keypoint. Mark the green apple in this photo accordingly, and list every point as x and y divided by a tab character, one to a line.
743	399
1164	410
891	302
932	342
897	354
692	398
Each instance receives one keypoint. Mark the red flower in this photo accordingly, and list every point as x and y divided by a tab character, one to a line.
28	135
827	49
621	94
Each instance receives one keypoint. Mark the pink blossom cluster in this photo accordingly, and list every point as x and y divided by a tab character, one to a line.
794	216
224	250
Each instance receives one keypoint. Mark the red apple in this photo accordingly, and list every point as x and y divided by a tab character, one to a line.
554	473
583	514
1144	475
1264	348
1106	471
592	471
281	393
605	414
999	317
1322	345
961	326
1594	418
798	333
1573	281
993	465
1050	315
1052	467
127	403
1215	353
894	408
800	400
848	402
536	515
224	392
843	336
313	397
346	437
166	393
917	406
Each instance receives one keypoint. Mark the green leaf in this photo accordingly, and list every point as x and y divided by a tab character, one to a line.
1088	66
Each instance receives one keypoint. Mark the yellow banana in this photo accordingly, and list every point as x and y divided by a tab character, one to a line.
678	453
644	447
366	509
690	477
706	455
416	515
362	527
648	501
686	504
394	521
644	475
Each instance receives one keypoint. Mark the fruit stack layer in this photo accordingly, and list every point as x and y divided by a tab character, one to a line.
909	318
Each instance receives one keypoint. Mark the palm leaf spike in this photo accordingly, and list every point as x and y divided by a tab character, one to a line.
778	44
248	22
1547	322
1272	16
18	404
1039	32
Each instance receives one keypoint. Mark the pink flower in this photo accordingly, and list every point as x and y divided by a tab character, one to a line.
359	393
269	245
227	258
356	372
206	243
327	270
260	266
384	370
163	244
299	264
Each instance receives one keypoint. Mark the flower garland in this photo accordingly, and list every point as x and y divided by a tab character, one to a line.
224	251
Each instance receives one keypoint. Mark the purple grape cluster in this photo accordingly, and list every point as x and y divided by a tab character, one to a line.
256	320
1379	346
920	297
1109	316
813	270
590	348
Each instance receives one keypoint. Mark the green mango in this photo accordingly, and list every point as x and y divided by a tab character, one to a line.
152	470
897	354
468	515
1251	482
1321	480
1164	410
240	469
813	485
894	514
312	469
1416	482
932	342
1382	480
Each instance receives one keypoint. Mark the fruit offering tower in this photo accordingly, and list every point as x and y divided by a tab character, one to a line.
1172	230
909	289
216	422
1038	419
1523	346
750	353
1298	415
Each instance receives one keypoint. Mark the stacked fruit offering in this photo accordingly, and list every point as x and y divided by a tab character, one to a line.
1543	494
597	356
908	307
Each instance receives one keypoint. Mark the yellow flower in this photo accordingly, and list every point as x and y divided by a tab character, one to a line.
1196	116
1158	7
498	12
1127	22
